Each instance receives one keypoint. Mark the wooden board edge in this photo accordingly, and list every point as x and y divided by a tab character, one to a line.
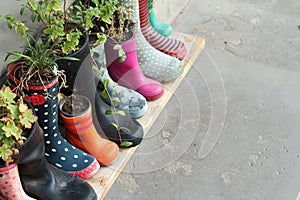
104	179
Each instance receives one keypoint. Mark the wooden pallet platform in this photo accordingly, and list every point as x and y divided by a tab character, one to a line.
104	179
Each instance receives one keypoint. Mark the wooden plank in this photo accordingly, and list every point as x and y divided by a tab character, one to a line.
104	179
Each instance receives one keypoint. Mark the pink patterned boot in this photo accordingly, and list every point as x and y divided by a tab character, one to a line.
10	184
128	73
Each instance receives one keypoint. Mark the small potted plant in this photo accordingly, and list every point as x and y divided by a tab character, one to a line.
16	120
66	27
37	64
61	27
97	17
58	23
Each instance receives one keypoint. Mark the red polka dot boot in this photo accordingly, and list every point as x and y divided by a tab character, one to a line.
10	184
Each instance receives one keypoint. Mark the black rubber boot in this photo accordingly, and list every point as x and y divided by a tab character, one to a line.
41	180
135	137
71	68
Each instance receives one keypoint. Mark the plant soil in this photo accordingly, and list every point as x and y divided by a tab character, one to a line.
39	79
123	37
75	105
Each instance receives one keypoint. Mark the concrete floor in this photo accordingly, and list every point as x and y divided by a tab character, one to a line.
250	67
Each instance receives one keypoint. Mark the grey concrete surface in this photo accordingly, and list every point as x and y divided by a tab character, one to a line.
252	48
168	10
8	39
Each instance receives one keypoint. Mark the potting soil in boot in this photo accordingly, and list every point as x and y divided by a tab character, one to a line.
153	63
122	98
161	27
10	184
58	151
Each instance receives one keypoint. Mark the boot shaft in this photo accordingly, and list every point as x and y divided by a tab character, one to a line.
10	184
144	13
46	108
31	159
129	47
71	68
79	123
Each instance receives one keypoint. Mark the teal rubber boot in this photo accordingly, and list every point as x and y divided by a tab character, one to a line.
161	27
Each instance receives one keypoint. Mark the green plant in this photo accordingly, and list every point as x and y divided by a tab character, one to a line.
114	111
40	56
15	116
38	61
111	21
58	23
55	18
121	23
96	16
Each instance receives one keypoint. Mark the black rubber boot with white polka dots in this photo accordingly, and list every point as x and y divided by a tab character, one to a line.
58	151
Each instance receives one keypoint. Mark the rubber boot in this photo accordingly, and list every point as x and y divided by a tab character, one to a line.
153	63
124	134
10	184
66	65
59	152
169	46
81	132
128	73
43	181
160	27
130	101
85	85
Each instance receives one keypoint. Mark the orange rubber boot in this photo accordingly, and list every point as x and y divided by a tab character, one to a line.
80	132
